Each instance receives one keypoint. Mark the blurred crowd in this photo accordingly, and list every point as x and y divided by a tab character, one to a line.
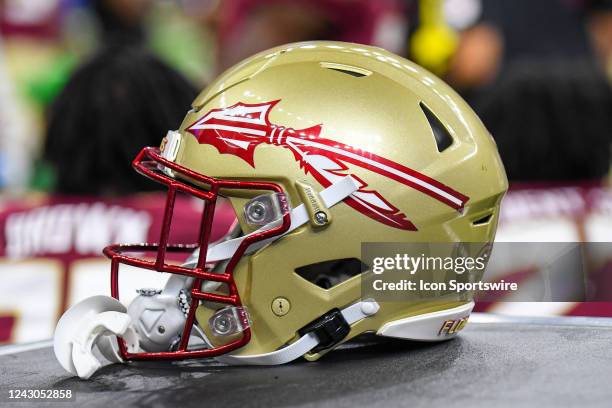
84	84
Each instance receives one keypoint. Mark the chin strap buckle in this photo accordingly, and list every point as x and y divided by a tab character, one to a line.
330	329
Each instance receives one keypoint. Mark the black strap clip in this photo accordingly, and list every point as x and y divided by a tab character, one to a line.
330	329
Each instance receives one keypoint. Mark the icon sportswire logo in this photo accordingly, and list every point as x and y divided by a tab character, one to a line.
240	128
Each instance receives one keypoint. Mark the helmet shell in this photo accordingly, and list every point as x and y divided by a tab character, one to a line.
372	100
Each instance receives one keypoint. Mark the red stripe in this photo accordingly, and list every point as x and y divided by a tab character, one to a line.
388	174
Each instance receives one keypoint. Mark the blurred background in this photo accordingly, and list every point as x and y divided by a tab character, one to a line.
85	84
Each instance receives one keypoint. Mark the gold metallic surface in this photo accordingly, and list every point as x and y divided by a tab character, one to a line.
378	112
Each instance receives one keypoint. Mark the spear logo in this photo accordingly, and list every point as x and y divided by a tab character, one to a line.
240	128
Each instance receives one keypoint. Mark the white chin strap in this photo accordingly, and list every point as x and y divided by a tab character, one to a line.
352	314
331	196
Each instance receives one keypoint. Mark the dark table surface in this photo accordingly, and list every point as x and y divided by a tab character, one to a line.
495	362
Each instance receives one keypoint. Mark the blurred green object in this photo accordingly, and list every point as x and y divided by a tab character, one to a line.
50	80
181	42
43	177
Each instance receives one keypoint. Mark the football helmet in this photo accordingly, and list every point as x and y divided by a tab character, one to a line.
319	147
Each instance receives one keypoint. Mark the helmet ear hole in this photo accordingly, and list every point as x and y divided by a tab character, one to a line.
323	282
442	137
331	273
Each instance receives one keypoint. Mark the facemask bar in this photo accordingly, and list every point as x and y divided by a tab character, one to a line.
148	164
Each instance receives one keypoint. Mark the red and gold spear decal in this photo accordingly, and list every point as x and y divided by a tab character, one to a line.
240	128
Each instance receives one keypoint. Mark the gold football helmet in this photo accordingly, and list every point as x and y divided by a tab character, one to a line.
319	147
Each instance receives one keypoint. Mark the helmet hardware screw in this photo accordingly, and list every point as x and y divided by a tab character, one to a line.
280	306
161	329
321	218
257	211
222	325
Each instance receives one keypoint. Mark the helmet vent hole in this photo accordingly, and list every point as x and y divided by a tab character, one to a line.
346	69
482	220
328	274
442	137
324	283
